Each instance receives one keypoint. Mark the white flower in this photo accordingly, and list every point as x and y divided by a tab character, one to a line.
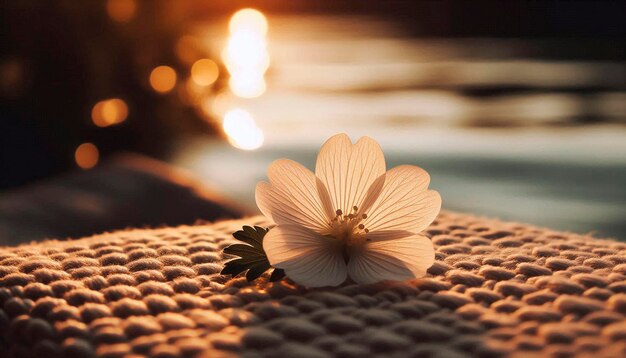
350	218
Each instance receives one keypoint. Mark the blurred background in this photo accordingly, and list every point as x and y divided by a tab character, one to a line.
125	113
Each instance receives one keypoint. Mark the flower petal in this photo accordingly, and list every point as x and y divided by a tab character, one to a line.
294	197
348	171
372	195
399	259
307	257
404	204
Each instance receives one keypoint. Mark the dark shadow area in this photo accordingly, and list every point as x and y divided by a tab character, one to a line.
128	191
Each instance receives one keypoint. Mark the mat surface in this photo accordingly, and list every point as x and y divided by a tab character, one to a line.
496	289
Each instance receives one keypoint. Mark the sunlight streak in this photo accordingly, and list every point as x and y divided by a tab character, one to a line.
246	55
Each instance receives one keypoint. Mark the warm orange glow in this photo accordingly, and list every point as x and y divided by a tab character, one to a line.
109	112
204	72
121	10
163	79
242	130
191	92
86	155
187	49
205	105
219	104
246	54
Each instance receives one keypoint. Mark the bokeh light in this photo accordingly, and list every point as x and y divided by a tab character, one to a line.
121	10
248	20
246	55
109	112
241	130
86	155
163	79
204	72
247	51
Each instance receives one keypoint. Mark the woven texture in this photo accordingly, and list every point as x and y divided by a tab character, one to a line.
496	289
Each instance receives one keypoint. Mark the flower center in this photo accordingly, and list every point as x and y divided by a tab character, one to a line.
348	229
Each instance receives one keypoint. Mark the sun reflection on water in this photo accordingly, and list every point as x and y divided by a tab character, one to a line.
247	59
242	130
246	55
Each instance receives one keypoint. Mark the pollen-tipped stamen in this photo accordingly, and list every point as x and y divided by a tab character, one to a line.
349	227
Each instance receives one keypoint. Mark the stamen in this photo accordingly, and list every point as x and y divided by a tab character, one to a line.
348	227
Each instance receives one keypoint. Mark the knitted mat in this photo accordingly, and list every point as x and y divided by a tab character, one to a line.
496	289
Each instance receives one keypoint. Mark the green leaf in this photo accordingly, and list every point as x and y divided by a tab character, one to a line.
252	258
